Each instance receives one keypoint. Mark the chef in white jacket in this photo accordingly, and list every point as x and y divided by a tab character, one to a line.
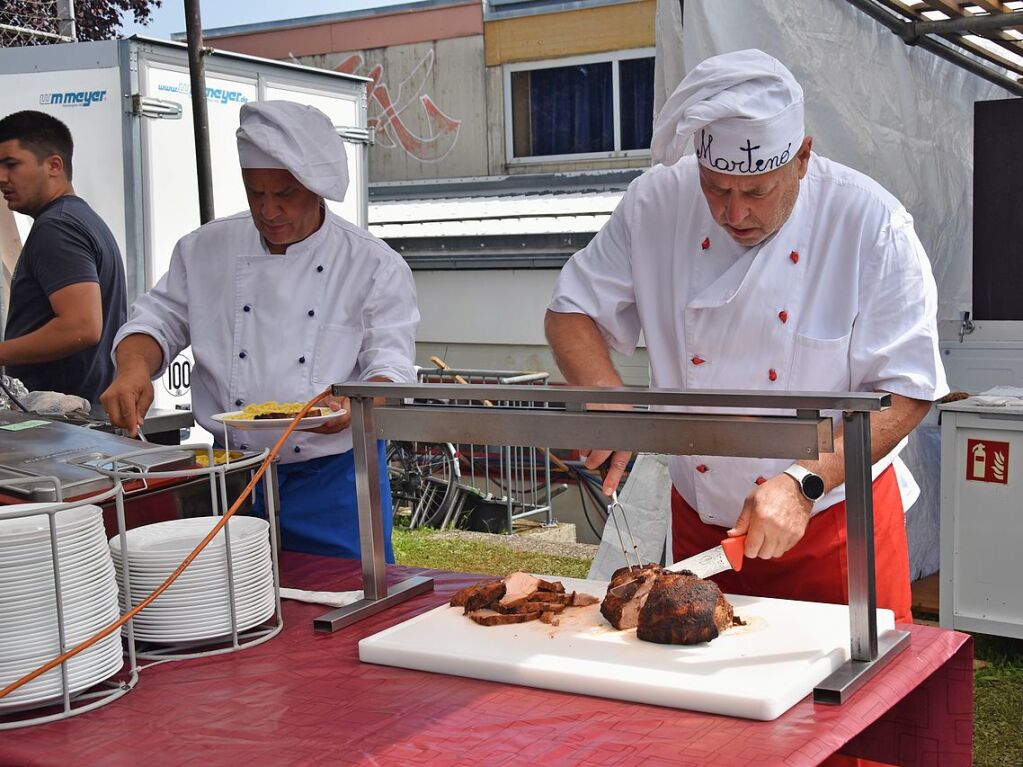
757	264
277	303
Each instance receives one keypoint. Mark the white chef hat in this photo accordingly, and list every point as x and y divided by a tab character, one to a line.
297	138
743	109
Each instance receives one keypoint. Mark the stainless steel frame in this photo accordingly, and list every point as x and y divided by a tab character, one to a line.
659	428
108	690
122	469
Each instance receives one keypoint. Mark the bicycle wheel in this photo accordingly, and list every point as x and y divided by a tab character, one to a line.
424	478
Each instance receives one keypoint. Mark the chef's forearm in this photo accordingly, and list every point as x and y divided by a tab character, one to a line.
139	352
580	351
887	428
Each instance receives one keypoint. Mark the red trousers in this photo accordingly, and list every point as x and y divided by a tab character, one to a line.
815	569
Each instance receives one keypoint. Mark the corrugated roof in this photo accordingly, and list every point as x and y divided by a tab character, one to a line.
465	224
552	213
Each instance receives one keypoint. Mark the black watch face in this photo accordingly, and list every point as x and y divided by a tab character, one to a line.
813	487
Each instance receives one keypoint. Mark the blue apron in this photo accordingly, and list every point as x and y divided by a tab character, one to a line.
319	512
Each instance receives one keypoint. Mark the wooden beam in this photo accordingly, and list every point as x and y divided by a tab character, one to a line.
950	7
992	6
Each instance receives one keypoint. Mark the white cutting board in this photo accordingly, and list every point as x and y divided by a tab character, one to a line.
755	672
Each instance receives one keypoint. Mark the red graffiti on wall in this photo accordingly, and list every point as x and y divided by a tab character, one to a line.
390	120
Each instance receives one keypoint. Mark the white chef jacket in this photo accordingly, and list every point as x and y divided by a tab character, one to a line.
840	299
338	306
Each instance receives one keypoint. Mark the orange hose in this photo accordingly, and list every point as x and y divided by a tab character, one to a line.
108	630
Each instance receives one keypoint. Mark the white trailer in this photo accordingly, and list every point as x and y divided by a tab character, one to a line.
128	105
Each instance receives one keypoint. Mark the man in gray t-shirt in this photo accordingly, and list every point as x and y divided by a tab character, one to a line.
68	289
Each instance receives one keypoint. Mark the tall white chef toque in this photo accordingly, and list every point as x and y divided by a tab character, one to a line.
294	137
744	111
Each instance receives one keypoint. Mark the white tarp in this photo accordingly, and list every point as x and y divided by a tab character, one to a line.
646	499
899	114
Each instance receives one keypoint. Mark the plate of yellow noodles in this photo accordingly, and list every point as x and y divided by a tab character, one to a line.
276	415
202	457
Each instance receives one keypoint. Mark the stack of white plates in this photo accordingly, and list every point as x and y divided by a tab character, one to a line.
28	605
198	604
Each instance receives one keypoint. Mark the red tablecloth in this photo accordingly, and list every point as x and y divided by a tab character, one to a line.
305	698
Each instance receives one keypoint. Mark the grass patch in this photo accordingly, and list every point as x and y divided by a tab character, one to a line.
998	702
423	548
998	686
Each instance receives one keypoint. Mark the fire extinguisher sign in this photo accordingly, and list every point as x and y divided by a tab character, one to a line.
987	461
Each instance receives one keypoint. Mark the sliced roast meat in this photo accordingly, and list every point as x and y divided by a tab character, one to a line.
494	618
518	587
483	595
623	602
517	598
555	586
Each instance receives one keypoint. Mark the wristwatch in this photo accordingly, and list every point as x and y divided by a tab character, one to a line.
811	484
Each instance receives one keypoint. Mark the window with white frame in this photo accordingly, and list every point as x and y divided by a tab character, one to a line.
586	106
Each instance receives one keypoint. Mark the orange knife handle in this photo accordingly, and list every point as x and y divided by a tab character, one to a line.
735	551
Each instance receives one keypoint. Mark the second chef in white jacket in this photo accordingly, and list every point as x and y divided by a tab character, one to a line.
757	264
279	302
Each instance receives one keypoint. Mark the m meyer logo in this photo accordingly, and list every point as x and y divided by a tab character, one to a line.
72	98
217	95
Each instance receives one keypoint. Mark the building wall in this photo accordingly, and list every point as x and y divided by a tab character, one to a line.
437	96
570	33
428	105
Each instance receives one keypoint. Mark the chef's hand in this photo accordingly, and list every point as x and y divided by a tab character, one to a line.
128	398
334	425
619	458
773	517
619	462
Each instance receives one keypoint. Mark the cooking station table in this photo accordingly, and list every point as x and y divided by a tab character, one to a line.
305	698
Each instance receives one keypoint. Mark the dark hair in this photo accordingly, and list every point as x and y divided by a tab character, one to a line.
41	134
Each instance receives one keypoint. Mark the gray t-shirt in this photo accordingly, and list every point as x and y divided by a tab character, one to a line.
68	244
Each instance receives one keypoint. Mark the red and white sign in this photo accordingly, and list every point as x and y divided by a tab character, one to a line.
987	461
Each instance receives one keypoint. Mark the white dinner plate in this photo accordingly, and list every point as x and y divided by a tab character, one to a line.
196	588
278	424
90	667
210	597
207	603
180	536
151	567
207	629
84	559
14	530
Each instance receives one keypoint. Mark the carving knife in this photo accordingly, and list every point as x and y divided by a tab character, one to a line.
727	556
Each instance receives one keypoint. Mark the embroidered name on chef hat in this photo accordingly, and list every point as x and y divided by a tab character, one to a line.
744	111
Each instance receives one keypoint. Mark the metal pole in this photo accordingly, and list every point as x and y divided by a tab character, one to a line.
973	24
66	19
859	525
905	30
200	120
367	486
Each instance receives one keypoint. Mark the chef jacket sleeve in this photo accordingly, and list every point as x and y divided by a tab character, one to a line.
598	281
390	318
162	313
894	347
